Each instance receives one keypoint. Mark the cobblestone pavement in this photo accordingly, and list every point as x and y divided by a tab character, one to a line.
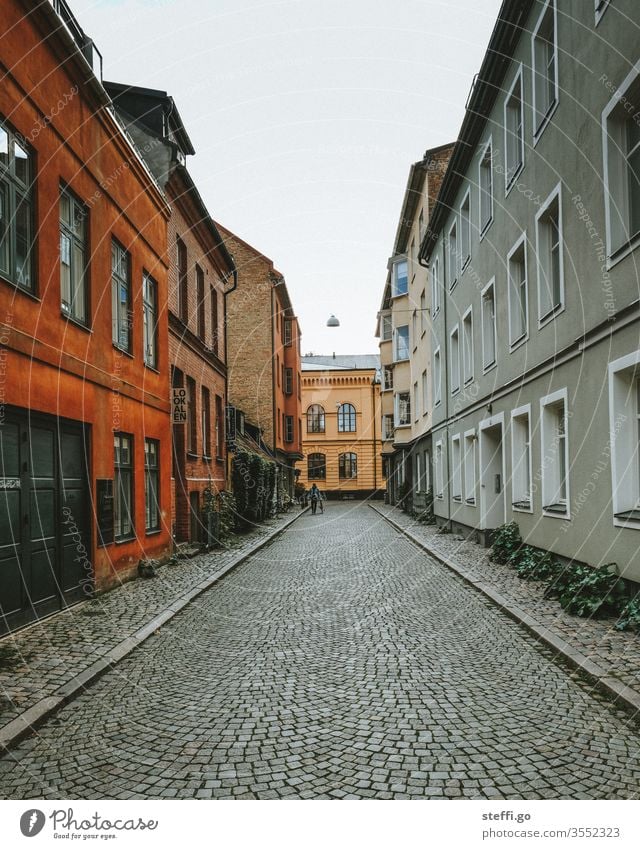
340	661
51	652
617	652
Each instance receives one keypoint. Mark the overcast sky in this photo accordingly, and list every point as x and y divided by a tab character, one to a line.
305	116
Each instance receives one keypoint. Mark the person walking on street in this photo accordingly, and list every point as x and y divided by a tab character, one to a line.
314	495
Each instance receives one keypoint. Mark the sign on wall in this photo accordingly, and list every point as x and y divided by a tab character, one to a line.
179	405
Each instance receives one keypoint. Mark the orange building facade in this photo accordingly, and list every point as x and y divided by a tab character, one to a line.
84	402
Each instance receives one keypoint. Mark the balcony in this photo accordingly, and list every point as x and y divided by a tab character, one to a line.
84	43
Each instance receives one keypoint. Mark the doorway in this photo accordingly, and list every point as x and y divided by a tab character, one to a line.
492	489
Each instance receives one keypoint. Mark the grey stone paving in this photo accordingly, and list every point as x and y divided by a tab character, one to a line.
339	662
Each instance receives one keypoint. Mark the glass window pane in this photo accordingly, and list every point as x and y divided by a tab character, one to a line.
23	243
4	228
4	147
79	283
65	208
21	159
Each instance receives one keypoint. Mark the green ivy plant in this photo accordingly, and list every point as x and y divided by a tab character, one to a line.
506	542
533	564
587	591
629	615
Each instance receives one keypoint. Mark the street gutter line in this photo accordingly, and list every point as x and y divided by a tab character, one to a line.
27	721
596	675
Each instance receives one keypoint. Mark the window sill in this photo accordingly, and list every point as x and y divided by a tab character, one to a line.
485	229
121	540
470	501
537	134
623	251
192	455
207	458
457	498
154	369
509	186
455	391
76	322
30	293
219	459
517	343
466	263
550	315
556	511
452	285
468	381
399	295
122	350
152	532
486	369
523	506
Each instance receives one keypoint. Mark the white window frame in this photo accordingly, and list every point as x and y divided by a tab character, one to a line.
423	312
417	472
551	401
509	180
425	393
435	286
517	417
386	323
516	341
469	461
486	367
467	377
437	377
415	406
396	409
539	128
452	256
394	277
456	469
483	227
438	471
454	360
466	200
601	8
553	311
620	242
396	336
624	430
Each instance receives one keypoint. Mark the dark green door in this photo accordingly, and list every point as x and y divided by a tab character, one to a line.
44	529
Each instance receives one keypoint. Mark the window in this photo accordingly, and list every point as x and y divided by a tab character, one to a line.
315	419
467	346
401	343
200	296
192	420
73	257
452	256
425	393
454	360
437	377
486	188
465	229
123	486
402	409
215	347
521	458
288	337
17	238
348	466
513	131
624	425
456	461
414	329
426	482
470	467
621	132
151	485
435	287
518	295
288	381
550	259
150	320
288	428
220	428
346	418
555	454
438	471
316	467
387	329
488	327
387	378
416	405
400	278
417	473
120	297
412	256
387	427
205	412
183	290
545	68
601	8
423	311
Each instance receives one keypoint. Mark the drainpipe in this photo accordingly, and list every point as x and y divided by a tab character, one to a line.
225	292
375	440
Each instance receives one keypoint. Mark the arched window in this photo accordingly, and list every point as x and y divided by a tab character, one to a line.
316	467
315	419
348	466
346	418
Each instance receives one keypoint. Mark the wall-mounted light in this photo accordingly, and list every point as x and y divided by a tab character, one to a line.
332	321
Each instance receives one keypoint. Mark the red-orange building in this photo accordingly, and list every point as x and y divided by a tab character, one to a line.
84	371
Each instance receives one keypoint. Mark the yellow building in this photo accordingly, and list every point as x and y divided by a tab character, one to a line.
341	425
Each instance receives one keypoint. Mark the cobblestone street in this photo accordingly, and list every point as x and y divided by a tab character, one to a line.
338	662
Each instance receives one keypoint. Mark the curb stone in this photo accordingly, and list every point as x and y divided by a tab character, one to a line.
599	677
27	721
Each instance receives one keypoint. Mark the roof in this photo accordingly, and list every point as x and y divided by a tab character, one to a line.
341	362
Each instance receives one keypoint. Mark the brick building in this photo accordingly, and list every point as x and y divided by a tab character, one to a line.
83	412
200	271
263	356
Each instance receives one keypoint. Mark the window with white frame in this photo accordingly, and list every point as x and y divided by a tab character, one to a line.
386	327
452	255
437	377
399	278
544	48
601	8
387	378
417	472
435	287
423	311
425	393
513	131
465	229
518	295
426	476
456	462
413	256
401	343
486	187
488	326
521	458
421	227
624	427
549	253
621	132
414	329
470	467
454	360
416	404
467	346
387	427
438	471
554	454
402	409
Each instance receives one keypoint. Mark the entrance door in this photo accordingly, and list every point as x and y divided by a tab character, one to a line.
45	551
492	503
